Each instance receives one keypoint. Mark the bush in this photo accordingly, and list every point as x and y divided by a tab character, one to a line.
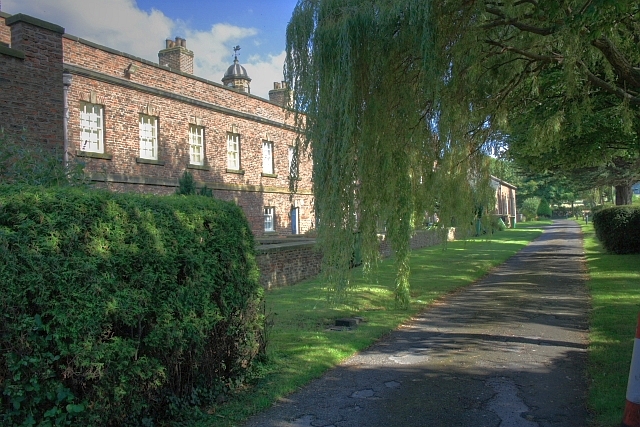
187	186
618	229
121	309
530	207
25	162
544	209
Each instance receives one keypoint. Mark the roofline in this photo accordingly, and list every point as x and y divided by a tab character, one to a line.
501	182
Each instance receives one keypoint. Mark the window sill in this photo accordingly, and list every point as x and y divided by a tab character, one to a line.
236	171
270	175
199	167
270	232
149	161
93	155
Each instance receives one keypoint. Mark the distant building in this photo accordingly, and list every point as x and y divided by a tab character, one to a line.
139	125
505	201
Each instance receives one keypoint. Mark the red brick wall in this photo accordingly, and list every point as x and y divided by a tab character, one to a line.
31	88
420	239
89	56
283	265
31	95
5	32
123	103
289	263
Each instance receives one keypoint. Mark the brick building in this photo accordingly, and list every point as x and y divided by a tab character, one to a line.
505	201
138	125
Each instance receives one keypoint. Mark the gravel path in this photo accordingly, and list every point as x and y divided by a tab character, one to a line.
508	351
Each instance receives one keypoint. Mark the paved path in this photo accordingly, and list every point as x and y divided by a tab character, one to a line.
508	351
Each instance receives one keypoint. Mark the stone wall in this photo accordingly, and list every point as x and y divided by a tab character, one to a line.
285	264
420	239
290	261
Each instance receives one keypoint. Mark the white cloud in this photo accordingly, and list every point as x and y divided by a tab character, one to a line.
264	73
121	25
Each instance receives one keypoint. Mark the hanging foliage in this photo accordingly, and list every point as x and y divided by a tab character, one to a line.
392	136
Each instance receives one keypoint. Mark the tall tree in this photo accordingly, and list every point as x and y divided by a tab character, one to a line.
369	77
400	98
571	85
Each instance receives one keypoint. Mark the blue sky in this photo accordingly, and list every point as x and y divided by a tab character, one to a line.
211	28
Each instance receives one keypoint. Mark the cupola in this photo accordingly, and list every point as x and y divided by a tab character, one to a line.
236	75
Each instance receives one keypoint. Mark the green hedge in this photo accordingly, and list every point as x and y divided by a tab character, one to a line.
544	210
121	309
618	229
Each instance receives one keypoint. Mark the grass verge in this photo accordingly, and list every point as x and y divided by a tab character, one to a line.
300	346
614	286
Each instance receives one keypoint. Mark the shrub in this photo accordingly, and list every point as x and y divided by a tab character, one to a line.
618	228
530	207
120	309
187	186
25	162
544	209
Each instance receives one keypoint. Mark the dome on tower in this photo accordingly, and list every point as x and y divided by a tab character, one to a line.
236	75
236	71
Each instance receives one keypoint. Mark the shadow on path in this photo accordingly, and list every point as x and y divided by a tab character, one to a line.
508	351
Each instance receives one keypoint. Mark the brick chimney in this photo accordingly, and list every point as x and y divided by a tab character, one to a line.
280	94
176	56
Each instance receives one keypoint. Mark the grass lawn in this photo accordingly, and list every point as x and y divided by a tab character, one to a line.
615	291
301	348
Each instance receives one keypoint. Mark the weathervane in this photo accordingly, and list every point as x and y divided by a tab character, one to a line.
235	51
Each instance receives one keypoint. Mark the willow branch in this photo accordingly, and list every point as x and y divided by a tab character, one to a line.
625	70
584	7
526	54
504	21
633	100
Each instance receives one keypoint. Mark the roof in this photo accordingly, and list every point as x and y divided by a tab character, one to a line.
236	71
501	182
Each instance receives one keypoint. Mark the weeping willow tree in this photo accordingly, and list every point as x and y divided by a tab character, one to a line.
378	87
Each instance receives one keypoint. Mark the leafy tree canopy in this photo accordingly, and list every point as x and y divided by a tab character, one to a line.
400	98
370	78
572	87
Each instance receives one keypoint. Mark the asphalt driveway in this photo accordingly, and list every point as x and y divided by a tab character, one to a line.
508	351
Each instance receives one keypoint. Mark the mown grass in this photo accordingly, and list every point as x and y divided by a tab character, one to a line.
614	285
300	346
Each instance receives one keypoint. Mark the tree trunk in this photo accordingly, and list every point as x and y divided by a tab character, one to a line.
624	194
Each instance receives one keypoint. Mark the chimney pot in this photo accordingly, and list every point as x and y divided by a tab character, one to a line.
169	43
276	85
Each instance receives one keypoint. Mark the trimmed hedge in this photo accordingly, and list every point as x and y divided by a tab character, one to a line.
544	210
121	309
618	229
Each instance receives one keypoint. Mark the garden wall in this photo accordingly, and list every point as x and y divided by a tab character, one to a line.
287	263
284	263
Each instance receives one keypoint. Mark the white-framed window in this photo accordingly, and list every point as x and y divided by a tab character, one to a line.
269	218
233	151
267	157
148	137
196	145
91	127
